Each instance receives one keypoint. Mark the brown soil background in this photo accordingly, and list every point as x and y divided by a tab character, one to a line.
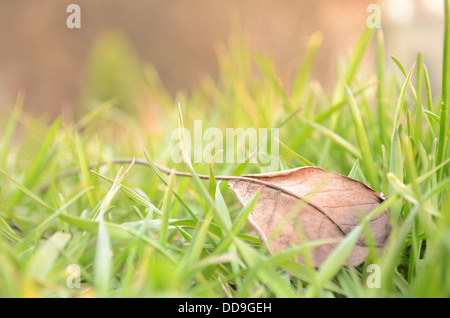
40	55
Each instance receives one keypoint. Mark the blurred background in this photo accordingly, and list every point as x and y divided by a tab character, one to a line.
61	69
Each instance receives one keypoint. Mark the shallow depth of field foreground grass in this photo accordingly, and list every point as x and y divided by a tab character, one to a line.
137	233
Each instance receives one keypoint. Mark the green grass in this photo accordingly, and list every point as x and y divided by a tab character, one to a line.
64	198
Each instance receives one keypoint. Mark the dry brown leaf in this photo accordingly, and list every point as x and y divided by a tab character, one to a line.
309	204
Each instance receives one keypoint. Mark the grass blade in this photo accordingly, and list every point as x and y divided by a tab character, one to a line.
380	88
165	211
419	107
442	141
10	129
303	73
395	153
364	145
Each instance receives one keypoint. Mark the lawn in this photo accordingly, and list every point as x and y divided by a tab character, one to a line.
80	218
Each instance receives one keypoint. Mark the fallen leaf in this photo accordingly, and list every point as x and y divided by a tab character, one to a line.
311	203
308	204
